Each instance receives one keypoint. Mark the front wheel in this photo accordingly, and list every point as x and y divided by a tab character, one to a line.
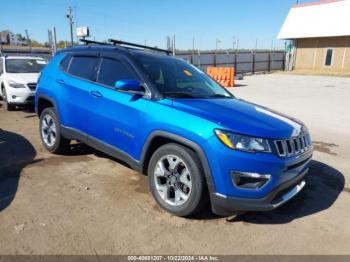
176	180
8	106
50	132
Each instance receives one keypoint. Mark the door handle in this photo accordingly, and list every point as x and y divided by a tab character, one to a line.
96	93
60	81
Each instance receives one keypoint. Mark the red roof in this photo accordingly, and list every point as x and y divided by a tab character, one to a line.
321	2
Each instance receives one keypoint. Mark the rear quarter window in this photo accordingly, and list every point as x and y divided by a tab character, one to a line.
65	62
83	67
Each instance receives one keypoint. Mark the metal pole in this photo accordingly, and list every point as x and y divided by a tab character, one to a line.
192	56
236	55
199	58
54	40
228	57
49	33
70	20
174	45
193	45
216	50
253	65
285	55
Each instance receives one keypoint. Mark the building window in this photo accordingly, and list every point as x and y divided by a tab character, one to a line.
329	57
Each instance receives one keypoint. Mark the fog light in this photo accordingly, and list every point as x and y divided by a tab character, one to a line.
14	97
249	180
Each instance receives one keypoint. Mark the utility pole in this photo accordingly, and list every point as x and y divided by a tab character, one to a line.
70	20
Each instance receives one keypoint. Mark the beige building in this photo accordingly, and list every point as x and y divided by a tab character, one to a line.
320	33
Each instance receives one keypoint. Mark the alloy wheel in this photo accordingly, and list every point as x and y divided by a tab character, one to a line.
48	130
173	180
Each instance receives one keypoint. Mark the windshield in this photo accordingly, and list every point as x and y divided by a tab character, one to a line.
25	65
177	78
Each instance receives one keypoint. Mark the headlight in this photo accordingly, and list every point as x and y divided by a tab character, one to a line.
243	143
15	85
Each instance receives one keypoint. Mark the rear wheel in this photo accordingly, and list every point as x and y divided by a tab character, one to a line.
176	180
50	132
8	106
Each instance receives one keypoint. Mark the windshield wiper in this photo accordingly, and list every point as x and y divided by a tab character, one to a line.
178	94
220	96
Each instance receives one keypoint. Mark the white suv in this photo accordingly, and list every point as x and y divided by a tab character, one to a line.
18	79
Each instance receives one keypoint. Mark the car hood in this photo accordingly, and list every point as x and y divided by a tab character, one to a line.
242	117
23	78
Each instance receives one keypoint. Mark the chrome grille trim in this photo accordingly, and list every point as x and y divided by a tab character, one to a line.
293	146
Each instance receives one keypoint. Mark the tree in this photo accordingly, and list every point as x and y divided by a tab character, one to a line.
21	37
34	43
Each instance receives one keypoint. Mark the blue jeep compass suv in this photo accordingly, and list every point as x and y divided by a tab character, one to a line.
199	145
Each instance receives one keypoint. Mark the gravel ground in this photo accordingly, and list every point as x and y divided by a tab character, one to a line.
87	203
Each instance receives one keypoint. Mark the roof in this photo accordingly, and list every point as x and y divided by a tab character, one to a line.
23	57
325	18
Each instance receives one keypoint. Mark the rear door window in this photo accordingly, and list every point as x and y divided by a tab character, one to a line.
84	67
112	70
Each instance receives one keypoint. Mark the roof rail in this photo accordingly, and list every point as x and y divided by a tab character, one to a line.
86	41
119	42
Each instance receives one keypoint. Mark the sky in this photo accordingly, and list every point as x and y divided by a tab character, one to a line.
253	22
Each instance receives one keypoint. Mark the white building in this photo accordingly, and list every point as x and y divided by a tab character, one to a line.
320	32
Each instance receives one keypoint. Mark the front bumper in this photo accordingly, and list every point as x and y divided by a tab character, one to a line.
286	179
20	96
223	205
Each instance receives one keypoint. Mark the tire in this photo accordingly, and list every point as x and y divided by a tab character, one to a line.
50	132
182	190
8	106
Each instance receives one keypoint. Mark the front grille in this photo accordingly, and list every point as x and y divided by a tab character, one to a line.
32	86
293	146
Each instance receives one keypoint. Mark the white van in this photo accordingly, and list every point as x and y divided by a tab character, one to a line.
18	79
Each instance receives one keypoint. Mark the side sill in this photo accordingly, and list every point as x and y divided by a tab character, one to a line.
72	133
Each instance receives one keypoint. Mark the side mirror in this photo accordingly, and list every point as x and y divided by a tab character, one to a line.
130	86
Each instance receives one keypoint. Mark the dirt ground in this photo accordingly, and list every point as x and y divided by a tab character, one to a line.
87	203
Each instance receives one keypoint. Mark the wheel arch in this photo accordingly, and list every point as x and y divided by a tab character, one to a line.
160	138
42	103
